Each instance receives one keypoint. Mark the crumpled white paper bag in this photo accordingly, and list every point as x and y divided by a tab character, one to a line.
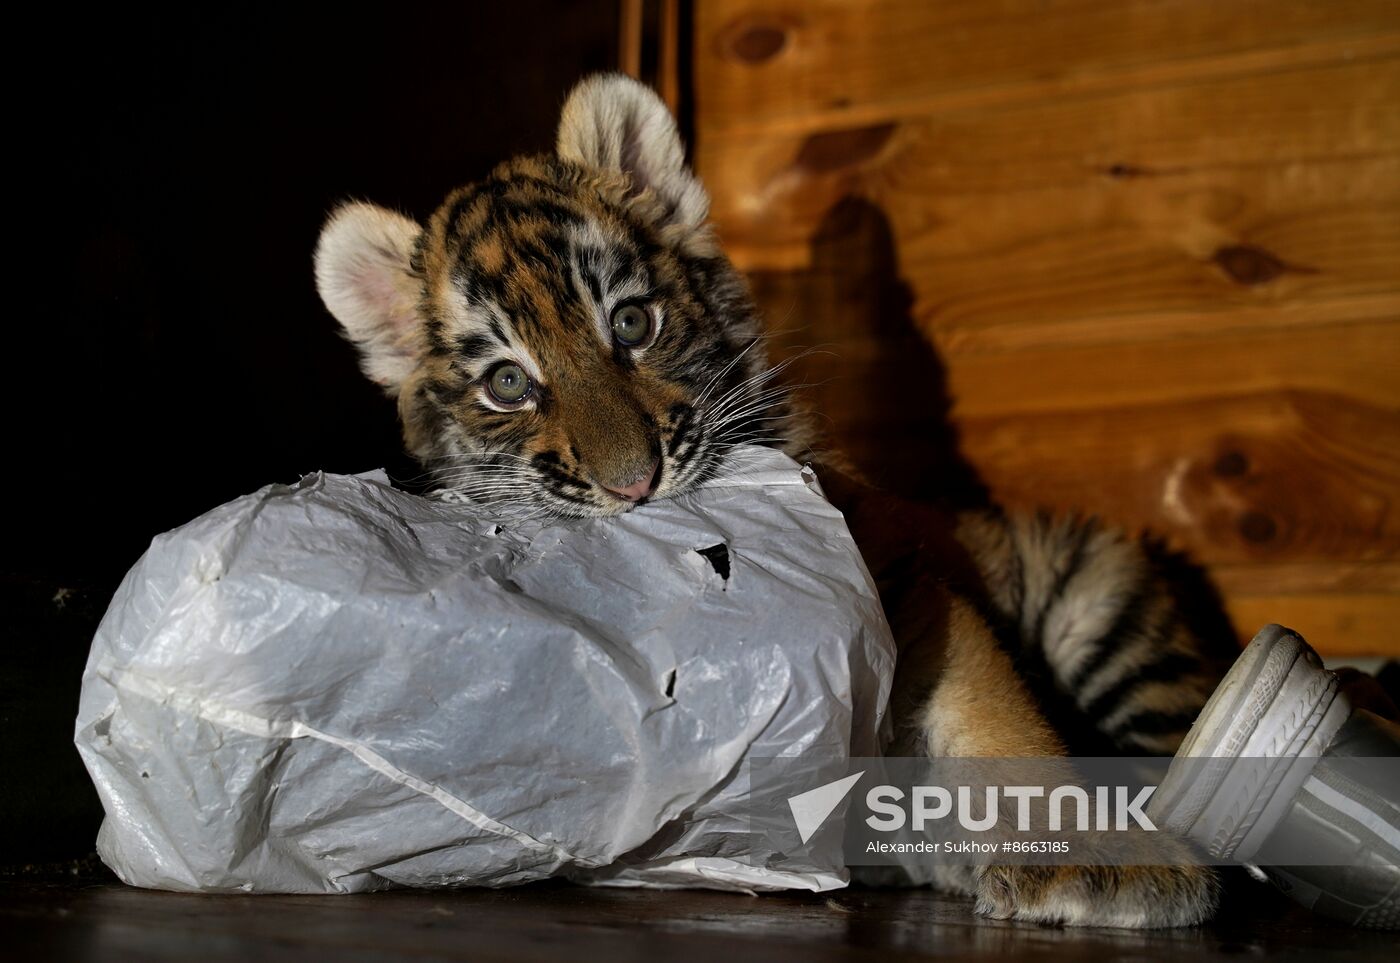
335	686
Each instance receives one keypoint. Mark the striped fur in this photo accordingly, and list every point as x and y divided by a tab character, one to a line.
1018	636
1094	619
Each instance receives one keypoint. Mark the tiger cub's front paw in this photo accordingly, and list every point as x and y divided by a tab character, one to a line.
1129	896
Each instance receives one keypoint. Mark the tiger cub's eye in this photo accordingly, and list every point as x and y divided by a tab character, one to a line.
508	384
631	324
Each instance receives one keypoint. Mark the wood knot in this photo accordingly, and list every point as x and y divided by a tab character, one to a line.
835	149
1248	265
756	41
1231	464
1257	527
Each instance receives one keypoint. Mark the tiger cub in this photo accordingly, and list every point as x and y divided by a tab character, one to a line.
567	335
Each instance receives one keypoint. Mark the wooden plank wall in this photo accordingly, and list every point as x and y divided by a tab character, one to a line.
1144	254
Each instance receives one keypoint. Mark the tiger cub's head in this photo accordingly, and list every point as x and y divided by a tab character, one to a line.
565	335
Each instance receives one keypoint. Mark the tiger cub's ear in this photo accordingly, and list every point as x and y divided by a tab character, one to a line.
365	278
614	122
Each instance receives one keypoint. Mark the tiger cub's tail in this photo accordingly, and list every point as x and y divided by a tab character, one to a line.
1118	636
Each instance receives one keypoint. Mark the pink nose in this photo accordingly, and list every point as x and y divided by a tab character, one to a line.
638	490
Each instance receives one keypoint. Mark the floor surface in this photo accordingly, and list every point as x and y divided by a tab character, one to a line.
95	918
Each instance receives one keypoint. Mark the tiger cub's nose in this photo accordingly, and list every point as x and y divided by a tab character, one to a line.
641	488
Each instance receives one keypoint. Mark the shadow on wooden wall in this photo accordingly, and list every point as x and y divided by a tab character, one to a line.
846	320
1154	245
881	393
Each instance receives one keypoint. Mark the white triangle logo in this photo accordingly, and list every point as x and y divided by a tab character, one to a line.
810	809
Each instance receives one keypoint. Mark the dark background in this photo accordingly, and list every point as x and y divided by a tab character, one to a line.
172	353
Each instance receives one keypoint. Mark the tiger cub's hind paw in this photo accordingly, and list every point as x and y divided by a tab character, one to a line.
1139	897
